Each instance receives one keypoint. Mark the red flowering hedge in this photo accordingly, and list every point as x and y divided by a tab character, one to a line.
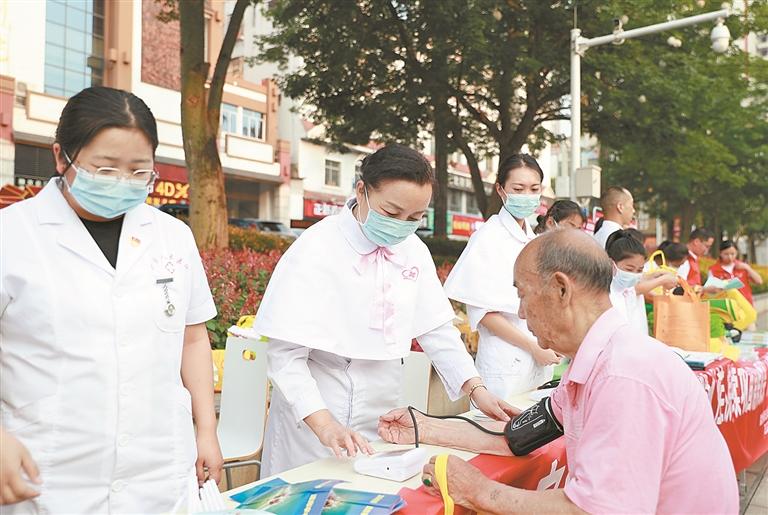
237	279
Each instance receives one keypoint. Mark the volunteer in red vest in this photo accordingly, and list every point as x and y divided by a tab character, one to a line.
728	267
341	310
699	243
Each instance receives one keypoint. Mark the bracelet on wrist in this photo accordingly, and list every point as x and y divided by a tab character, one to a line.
475	387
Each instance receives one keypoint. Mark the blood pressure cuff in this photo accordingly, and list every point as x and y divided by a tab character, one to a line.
533	428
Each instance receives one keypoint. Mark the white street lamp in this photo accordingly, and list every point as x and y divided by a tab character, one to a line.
720	37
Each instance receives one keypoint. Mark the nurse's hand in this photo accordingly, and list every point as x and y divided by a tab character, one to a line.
209	460
13	459
492	406
545	357
337	437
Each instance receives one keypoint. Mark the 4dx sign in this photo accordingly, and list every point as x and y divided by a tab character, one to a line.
171	190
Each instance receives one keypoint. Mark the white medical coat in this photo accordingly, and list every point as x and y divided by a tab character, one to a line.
90	362
483	279
325	351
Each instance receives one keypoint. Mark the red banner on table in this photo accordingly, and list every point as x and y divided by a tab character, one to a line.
739	396
543	469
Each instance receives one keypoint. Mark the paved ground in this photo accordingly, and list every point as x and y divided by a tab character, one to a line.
754	499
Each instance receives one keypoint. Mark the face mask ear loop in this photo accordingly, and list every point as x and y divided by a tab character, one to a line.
368	202
63	183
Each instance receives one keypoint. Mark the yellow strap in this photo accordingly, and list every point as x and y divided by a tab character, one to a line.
441	476
663	258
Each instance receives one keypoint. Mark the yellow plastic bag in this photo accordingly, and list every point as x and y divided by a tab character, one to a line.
744	313
653	268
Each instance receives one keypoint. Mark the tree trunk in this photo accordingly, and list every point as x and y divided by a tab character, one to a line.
752	248
686	220
208	204
474	169
440	195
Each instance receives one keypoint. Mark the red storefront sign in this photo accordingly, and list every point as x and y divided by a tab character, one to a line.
171	187
320	208
462	225
169	192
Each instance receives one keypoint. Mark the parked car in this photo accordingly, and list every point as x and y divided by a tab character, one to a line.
181	211
277	228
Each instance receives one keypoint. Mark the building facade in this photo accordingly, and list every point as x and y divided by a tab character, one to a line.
65	46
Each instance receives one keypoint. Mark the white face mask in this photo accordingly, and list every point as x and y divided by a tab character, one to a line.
624	280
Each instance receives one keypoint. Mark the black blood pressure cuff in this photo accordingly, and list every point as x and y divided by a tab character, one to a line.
533	428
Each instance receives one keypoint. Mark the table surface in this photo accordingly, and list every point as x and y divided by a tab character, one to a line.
333	468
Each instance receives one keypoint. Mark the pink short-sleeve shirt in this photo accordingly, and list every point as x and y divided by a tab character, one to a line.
640	434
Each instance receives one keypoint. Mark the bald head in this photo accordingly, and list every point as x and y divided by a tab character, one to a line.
612	196
571	252
563	279
618	205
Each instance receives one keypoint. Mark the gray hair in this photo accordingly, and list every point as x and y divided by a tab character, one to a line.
576	255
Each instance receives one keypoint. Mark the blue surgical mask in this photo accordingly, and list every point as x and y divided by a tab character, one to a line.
623	279
521	205
105	197
386	231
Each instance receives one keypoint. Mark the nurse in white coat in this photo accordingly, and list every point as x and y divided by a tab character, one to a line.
104	355
509	359
341	310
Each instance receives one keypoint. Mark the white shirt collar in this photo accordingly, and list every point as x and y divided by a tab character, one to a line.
509	222
352	231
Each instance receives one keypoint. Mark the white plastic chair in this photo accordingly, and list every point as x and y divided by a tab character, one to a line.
243	409
415	389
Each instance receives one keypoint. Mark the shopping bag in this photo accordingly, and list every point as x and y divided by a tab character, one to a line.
682	321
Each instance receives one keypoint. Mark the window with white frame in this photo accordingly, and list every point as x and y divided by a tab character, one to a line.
332	173
229	118
472	203
454	200
253	124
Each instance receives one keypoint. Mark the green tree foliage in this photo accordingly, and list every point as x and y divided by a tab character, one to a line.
685	129
483	75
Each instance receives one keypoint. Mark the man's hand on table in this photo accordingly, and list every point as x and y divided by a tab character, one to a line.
397	427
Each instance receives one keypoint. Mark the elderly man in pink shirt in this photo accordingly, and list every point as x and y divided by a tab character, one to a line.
640	435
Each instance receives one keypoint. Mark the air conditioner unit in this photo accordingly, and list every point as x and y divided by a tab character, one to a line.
588	182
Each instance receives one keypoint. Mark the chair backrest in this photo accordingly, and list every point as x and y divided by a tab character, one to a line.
415	385
243	409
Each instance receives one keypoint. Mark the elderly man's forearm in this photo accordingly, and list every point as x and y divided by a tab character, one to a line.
462	435
501	499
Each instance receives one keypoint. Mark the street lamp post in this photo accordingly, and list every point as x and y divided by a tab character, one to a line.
579	44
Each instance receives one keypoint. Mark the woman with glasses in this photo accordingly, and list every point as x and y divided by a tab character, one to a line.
105	358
